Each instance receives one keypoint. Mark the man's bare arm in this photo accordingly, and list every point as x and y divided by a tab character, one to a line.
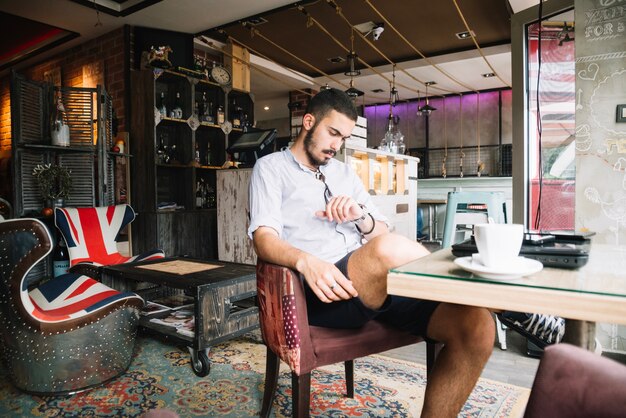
326	281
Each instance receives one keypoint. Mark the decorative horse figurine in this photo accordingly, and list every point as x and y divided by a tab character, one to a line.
160	55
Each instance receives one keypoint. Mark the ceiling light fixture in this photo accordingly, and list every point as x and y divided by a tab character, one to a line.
266	108
465	35
393	141
337	60
489	75
352	70
427	109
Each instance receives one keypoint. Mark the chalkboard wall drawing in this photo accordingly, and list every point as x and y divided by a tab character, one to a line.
600	137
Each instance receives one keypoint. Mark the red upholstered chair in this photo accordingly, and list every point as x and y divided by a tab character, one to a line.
60	335
289	337
90	234
576	383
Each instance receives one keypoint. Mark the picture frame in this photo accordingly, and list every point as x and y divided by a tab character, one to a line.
620	116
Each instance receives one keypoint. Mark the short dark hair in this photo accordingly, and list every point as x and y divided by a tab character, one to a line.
327	100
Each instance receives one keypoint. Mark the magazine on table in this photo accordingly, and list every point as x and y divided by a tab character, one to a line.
153	307
188	328
176	319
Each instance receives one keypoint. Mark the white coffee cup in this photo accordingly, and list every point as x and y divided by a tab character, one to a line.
498	244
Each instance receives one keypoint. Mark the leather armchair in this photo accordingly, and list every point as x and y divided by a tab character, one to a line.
90	234
62	335
290	338
576	383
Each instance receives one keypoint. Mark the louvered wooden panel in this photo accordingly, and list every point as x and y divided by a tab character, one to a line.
106	118
83	183
40	271
29	196
31	102
80	113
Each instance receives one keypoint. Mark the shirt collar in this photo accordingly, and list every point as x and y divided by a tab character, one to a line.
303	167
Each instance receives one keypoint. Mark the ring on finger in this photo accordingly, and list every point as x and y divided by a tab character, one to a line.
332	286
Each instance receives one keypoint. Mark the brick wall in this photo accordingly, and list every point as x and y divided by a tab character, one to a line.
105	52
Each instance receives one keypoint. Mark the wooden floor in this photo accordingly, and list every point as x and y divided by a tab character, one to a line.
512	365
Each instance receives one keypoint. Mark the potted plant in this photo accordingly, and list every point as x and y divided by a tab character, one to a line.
55	183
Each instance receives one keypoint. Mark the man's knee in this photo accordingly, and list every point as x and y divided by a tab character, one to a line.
393	250
467	325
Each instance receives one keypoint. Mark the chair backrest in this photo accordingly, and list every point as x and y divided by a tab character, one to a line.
23	243
494	201
574	383
283	317
91	233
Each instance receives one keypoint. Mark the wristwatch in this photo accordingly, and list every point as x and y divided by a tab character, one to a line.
363	216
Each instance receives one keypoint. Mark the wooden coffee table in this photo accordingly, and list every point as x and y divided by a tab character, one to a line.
223	296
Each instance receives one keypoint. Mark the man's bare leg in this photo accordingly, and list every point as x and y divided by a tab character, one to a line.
468	335
467	332
368	265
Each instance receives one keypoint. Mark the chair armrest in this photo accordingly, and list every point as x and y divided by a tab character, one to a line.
283	314
87	269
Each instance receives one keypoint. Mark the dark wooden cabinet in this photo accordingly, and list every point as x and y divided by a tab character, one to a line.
176	155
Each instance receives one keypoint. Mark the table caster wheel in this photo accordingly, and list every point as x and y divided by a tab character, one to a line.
200	363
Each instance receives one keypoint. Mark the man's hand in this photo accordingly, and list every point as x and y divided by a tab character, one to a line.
325	279
341	209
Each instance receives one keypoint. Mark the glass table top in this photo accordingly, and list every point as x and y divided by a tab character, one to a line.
604	273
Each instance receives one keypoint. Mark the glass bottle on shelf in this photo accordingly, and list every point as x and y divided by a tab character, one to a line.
60	258
235	117
207	157
162	105
177	110
210	197
198	196
160	151
196	155
220	115
60	132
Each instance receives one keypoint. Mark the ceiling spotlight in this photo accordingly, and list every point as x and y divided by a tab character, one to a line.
266	108
465	35
488	75
378	91
337	60
377	31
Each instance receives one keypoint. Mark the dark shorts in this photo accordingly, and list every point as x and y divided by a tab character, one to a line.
404	313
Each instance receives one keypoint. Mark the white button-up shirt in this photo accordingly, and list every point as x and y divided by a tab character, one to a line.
284	195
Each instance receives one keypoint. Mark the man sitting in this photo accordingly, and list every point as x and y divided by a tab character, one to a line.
310	212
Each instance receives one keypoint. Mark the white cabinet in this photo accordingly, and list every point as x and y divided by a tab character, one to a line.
391	179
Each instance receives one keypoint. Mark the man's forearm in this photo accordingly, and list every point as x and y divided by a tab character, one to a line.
269	247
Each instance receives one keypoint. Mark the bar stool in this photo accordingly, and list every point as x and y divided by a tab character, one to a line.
463	209
458	211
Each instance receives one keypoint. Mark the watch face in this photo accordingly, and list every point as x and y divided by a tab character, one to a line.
220	75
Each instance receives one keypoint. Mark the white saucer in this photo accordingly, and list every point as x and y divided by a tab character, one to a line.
519	267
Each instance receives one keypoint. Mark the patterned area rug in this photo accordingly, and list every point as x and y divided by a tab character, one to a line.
160	377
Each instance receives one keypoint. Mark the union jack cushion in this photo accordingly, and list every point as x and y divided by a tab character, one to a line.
90	234
70	296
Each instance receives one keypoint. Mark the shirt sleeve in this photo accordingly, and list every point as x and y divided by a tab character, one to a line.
265	198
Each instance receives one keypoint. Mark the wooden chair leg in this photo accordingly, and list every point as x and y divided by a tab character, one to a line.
350	378
432	351
301	394
272	367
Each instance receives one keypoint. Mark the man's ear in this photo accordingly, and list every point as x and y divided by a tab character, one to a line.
308	120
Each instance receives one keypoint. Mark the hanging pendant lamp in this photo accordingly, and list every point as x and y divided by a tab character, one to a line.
427	109
352	71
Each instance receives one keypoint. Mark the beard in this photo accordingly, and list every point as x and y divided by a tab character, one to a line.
310	146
